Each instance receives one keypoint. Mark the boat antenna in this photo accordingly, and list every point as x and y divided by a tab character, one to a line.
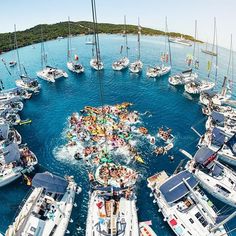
167	38
126	38
69	41
17	52
139	35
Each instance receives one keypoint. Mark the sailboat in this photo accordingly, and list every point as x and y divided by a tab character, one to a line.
47	210
123	63
72	64
183	204
48	73
96	62
207	51
197	86
137	66
24	82
226	91
14	162
112	205
214	177
188	75
158	71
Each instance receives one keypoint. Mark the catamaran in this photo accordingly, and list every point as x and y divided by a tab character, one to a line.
72	64
96	61
214	177
25	82
199	85
137	66
123	63
47	210
48	73
218	141
112	205
180	40
184	206
15	161
187	76
157	71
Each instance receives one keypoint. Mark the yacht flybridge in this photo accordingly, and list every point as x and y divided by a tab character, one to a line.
48	208
49	73
184	206
122	63
137	66
112	205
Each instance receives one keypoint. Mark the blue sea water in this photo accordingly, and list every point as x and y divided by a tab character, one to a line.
50	109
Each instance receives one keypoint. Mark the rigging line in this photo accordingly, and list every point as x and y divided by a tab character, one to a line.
17	52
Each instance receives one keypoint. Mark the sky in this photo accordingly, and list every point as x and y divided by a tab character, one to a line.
181	14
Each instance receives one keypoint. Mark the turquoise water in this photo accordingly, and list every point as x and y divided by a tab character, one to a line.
50	109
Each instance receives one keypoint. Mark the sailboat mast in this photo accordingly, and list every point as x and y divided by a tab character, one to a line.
139	34
17	52
168	41
43	56
126	38
69	41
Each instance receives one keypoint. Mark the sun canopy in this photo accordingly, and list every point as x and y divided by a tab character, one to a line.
174	188
202	155
4	129
11	153
51	183
217	117
218	137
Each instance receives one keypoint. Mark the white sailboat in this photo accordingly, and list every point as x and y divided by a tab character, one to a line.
112	207
218	141
122	63
226	91
47	210
15	162
137	66
187	76
48	73
163	69
200	85
25	82
184	206
72	64
214	177
96	61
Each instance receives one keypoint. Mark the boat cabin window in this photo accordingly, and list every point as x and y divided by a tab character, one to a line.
191	220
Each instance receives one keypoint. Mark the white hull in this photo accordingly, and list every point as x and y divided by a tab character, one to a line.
94	65
196	88
136	67
158	71
71	66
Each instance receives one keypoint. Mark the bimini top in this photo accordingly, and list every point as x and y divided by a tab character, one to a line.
217	117
4	129
51	183
203	154
218	137
174	188
11	153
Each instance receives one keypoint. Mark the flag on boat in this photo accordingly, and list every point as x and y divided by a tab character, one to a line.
209	65
231	143
76	57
